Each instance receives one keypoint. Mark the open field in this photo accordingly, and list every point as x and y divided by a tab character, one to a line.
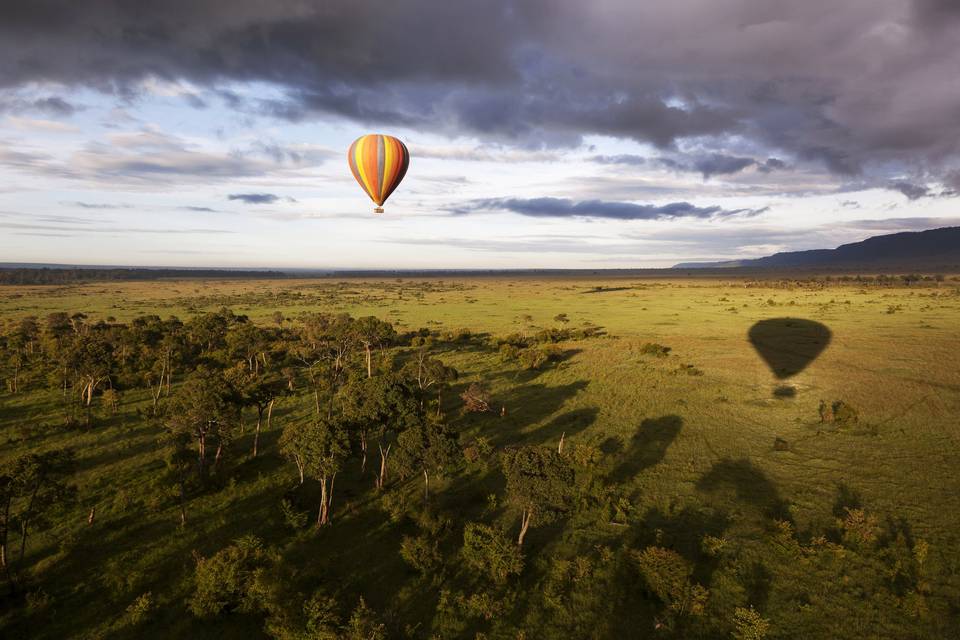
683	447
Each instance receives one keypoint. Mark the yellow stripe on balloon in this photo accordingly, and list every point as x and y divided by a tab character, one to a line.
363	174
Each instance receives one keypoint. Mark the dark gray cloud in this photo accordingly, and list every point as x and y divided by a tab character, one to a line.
258	198
48	105
854	87
706	164
565	208
198	209
912	190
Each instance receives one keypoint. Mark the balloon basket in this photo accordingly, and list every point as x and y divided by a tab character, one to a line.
378	209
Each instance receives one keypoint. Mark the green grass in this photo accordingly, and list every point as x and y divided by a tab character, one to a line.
692	454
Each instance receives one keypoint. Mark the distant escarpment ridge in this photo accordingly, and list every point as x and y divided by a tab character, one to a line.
935	249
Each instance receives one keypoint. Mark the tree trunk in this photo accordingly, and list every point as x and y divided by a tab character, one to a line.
369	361
383	465
256	434
363	451
524	525
299	464
322	514
426	486
333	479
183	500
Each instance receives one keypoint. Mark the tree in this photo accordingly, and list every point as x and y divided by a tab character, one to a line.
206	408
319	449
428	447
490	552
325	343
669	577
32	486
386	406
539	484
91	357
370	332
259	389
431	372
364	624
179	459
226	580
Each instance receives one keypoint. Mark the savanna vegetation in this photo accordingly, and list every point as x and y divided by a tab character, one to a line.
481	458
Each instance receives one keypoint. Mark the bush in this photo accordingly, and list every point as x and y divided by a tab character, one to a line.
668	576
532	358
654	349
225	580
749	625
839	413
421	553
476	399
490	552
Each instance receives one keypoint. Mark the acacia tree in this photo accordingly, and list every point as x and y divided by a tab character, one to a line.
325	343
428	448
431	372
32	486
383	406
539	484
319	449
179	460
370	332
206	408
259	389
91	357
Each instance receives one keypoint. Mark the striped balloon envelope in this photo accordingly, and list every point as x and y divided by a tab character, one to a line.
378	162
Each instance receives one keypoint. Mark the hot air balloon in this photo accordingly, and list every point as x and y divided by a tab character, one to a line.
378	162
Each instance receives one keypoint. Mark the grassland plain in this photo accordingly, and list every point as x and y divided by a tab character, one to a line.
695	452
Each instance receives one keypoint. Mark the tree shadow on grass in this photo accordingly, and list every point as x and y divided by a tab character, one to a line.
524	406
646	448
750	485
565	425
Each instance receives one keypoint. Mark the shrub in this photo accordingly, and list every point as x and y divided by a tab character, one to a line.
654	349
476	399
490	552
421	553
668	576
839	413
749	625
139	610
532	358
224	581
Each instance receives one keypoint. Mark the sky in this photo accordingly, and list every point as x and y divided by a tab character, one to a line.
542	133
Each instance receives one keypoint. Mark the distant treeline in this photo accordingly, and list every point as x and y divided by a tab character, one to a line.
48	275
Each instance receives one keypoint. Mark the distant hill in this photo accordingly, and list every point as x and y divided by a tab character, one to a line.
912	250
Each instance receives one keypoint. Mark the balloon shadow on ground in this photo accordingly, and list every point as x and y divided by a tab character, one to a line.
789	345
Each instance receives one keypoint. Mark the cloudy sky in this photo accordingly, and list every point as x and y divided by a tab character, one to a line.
543	133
